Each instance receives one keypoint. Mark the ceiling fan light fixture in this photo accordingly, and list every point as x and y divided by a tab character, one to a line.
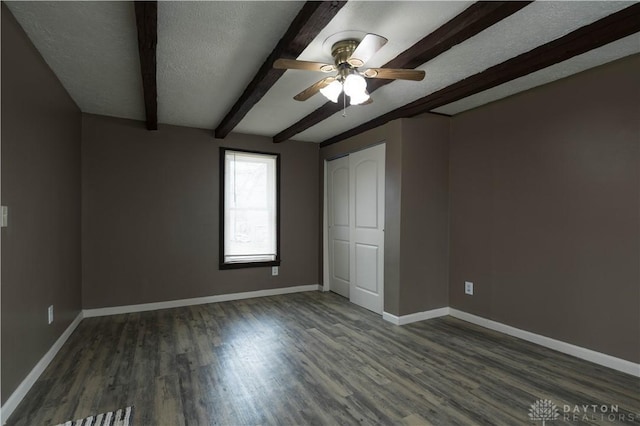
359	98
355	85
332	91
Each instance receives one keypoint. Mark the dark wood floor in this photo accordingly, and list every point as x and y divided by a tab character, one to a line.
311	358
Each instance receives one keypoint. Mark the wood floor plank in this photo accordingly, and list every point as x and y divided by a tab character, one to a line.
415	420
310	358
167	404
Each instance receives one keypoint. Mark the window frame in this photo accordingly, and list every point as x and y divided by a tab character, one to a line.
238	265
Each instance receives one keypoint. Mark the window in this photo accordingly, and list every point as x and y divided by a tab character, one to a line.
249	216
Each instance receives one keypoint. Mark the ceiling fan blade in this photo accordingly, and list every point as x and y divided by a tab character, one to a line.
369	45
293	64
394	74
313	89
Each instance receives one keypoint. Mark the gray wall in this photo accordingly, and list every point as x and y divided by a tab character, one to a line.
424	265
41	187
150	214
416	209
545	190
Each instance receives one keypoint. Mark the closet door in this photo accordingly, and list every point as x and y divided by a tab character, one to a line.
338	225
366	227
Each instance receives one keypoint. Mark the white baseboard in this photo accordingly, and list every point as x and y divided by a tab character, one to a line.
24	387
418	316
567	348
127	309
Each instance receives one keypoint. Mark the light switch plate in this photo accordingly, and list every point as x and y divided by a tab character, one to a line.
50	314
274	270
5	216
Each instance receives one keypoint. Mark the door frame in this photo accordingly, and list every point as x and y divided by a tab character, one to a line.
326	285
326	282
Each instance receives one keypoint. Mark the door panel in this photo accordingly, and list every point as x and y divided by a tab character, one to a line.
367	170
366	275
366	194
340	190
338	225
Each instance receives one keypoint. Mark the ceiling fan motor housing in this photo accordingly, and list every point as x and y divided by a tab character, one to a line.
342	51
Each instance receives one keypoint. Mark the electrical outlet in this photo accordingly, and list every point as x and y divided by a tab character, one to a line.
274	271
5	216
50	314
468	287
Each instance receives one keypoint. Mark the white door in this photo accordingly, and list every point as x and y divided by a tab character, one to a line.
338	224
366	218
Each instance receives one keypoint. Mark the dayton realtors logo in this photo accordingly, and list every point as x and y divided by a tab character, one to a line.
544	410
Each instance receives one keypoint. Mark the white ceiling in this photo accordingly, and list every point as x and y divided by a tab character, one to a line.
536	24
209	51
92	47
403	23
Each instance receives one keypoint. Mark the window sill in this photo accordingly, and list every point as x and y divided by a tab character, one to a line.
242	265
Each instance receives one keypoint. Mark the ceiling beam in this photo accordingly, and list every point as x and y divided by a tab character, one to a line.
470	22
147	23
607	30
311	19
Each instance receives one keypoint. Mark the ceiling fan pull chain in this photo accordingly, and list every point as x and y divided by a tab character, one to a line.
344	104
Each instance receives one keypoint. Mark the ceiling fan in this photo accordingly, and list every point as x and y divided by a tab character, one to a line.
349	55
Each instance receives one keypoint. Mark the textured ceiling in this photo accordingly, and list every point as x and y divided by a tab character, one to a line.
610	52
209	51
92	47
403	23
535	24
